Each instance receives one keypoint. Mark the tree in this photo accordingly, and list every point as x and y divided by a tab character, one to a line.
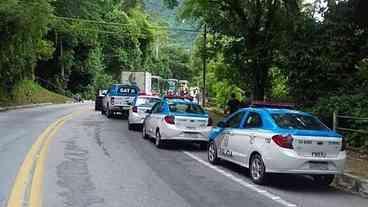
257	26
22	28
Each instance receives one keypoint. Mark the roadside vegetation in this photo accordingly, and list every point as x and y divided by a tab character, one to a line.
29	92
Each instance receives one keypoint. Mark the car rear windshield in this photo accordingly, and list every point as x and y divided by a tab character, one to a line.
146	101
298	121
185	108
125	91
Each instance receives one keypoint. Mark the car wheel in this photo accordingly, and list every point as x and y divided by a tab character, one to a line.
108	113
144	132
203	146
212	153
258	170
323	180
158	141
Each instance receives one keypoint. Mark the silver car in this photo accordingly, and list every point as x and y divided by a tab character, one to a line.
138	112
177	120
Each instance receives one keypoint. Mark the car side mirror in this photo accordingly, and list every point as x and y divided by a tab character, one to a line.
222	124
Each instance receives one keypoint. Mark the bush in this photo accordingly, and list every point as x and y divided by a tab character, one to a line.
349	105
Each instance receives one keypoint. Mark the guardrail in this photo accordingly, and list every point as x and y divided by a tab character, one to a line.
336	118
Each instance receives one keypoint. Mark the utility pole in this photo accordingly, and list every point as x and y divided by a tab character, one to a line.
204	65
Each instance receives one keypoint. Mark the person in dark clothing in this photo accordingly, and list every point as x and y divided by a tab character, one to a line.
233	104
246	102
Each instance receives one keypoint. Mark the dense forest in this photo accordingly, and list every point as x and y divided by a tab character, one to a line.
80	46
312	53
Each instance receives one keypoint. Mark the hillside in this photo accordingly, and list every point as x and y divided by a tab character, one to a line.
156	9
29	92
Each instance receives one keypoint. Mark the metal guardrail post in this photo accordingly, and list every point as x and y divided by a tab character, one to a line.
334	120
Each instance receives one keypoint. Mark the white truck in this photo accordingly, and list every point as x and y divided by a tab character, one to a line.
143	80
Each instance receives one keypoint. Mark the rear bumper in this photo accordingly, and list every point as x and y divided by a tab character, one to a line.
287	161
172	133
136	118
115	108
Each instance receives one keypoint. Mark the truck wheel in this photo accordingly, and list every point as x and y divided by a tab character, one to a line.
108	113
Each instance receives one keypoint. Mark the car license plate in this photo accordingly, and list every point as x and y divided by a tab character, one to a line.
191	135
318	165
319	154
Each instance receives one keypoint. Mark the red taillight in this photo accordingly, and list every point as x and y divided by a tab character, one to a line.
112	100
343	144
135	109
284	141
210	122
170	119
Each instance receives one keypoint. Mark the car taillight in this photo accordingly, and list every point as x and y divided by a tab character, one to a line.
210	122
135	109
343	144
112	100
170	119
284	141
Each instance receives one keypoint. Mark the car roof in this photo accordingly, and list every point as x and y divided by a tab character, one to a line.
148	96
179	101
277	111
125	85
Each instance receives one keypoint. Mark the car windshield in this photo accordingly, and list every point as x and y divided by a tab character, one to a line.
126	91
177	107
146	101
298	121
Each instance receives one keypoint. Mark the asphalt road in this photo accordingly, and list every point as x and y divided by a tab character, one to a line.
95	161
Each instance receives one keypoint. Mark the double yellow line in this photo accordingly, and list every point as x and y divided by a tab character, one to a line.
27	188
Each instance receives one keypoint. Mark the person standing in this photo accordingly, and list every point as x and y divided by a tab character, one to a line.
233	104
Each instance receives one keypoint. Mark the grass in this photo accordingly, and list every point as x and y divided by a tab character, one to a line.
29	92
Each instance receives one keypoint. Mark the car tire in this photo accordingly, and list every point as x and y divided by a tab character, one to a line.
158	141
108	113
323	180
131	127
258	170
203	146
144	132
212	153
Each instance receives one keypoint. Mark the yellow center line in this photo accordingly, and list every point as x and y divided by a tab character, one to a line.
28	185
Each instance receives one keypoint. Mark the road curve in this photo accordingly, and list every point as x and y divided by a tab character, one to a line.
95	161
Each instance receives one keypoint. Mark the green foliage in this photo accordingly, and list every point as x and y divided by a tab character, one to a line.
322	57
22	26
28	92
350	105
253	31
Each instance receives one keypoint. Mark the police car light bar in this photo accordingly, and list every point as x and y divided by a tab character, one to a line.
265	104
178	97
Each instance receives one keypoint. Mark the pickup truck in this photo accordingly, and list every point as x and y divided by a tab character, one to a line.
119	99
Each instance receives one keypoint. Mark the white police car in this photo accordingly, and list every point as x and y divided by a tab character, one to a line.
138	111
268	140
177	119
